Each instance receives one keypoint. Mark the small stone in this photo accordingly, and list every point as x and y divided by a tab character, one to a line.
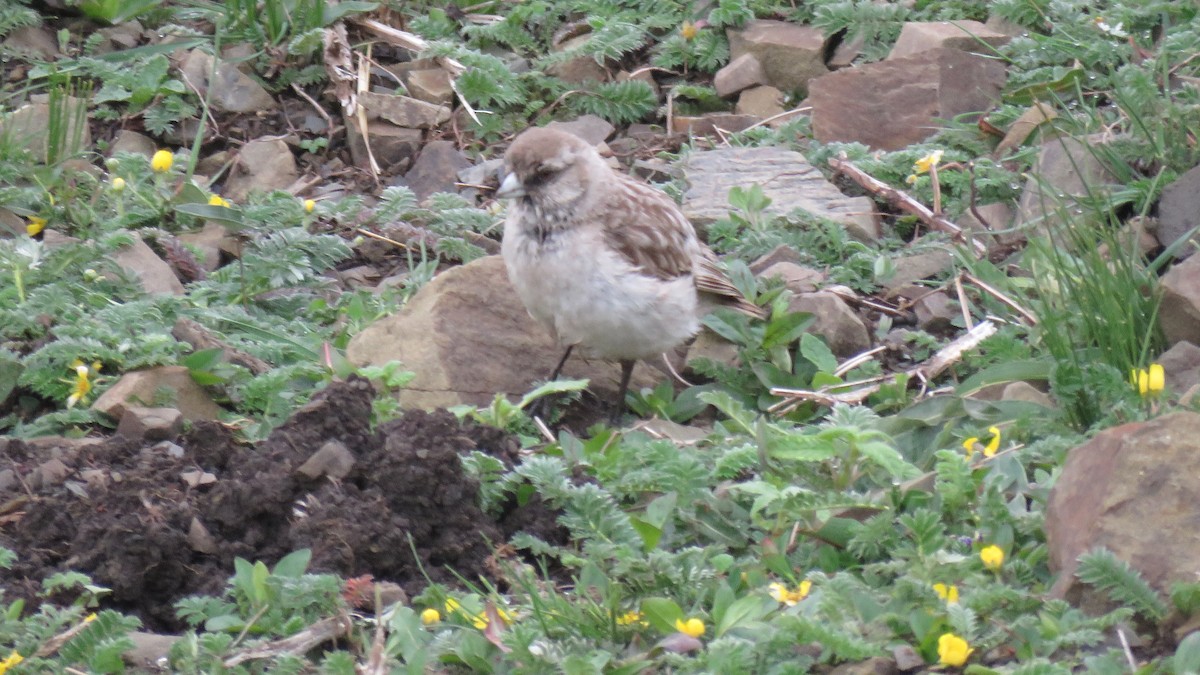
833	320
430	85
36	41
964	34
790	54
935	312
1179	311
1179	212
142	387
231	89
739	74
263	165
436	169
1023	391
150	424
149	652
781	253
403	111
762	102
797	278
52	472
708	124
333	459
393	147
200	539
1067	174
712	347
1181	366
889	105
132	142
155	275
580	69
595	130
208	242
918	266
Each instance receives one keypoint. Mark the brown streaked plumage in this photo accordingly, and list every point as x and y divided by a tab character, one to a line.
605	261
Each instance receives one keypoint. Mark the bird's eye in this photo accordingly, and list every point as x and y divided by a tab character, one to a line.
540	175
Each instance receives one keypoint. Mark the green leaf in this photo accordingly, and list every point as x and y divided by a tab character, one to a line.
744	611
1010	371
10	372
294	564
661	613
1187	656
336	12
229	216
554	387
1040	90
818	353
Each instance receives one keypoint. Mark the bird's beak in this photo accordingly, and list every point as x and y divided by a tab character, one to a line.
510	188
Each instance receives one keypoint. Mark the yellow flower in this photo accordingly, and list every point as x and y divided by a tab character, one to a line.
430	616
452	605
992	557
692	627
790	597
118	184
990	449
926	163
13	659
35	225
630	617
162	161
217	200
688	30
1156	378
912	179
309	205
953	650
947	593
89	618
83	383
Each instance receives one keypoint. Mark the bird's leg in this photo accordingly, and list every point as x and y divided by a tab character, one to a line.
626	375
541	407
561	362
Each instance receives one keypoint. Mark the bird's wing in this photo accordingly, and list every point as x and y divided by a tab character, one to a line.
646	228
652	234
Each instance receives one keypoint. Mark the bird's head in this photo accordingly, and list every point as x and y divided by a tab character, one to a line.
550	168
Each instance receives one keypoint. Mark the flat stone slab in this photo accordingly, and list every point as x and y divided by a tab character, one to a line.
786	178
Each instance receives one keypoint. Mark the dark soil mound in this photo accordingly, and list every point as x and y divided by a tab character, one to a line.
137	520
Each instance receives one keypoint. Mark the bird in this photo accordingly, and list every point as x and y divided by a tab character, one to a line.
606	262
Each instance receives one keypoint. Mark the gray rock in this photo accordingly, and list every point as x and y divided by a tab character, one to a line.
150	424
708	124
786	178
29	128
431	85
833	320
467	336
1131	489
403	111
918	266
935	311
133	142
797	278
967	35
579	69
1065	172
436	169
149	652
333	459
393	147
1023	391
781	253
1179	313
36	41
593	129
890	105
762	102
876	665
155	276
142	387
1181	366
712	347
1179	213
208	242
741	73
232	90
790	54
264	165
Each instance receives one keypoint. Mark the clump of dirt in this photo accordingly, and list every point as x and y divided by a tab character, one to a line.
139	522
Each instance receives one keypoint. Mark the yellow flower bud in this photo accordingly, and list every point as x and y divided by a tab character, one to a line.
688	30
217	200
118	184
162	161
1155	378
947	593
309	205
430	616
